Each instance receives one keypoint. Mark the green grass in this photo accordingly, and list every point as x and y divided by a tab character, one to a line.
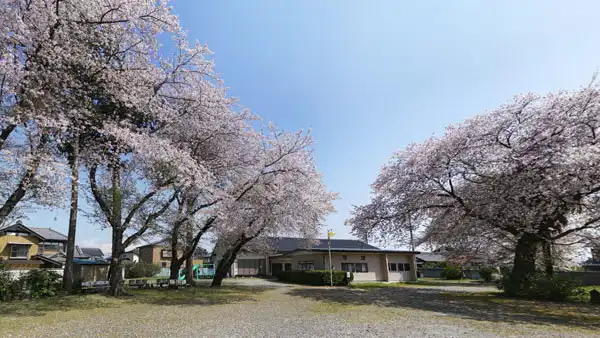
436	281
20	314
422	282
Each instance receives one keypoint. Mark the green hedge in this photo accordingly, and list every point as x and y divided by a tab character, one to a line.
316	277
540	286
451	272
141	269
36	283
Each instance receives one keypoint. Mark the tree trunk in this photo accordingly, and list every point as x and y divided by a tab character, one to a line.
525	252
174	273
116	278
175	262
223	267
226	261
548	260
189	262
115	274
74	163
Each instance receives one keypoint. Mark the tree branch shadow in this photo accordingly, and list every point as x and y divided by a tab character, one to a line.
489	307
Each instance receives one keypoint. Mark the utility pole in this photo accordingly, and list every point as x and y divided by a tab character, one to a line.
410	228
330	233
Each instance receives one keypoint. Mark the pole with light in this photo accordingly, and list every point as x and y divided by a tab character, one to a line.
330	234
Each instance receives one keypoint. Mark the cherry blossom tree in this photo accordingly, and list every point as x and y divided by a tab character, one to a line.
524	174
286	194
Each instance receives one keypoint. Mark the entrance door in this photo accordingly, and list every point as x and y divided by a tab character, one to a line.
288	266
248	267
276	268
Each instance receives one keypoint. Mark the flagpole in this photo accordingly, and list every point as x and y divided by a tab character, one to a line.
329	232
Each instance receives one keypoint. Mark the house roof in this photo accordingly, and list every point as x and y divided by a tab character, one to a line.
90	262
289	244
45	234
356	250
431	257
92	252
591	262
50	260
162	242
49	234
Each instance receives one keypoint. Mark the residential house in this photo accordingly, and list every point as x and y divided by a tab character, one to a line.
160	253
23	247
593	264
369	263
132	255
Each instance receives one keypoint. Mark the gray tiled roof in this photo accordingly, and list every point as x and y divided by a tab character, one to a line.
288	244
92	252
431	257
49	234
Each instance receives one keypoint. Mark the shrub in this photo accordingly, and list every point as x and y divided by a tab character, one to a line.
42	283
434	265
451	272
540	286
6	286
141	269
487	274
316	277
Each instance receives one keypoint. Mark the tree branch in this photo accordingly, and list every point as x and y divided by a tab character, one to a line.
151	218
97	195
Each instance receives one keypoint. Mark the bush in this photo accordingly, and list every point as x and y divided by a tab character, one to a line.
6	284
487	274
434	265
451	272
42	283
316	277
141	269
541	287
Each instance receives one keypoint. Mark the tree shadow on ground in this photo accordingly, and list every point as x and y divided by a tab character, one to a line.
40	307
477	306
200	295
452	283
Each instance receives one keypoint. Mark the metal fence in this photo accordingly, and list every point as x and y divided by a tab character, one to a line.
585	277
19	273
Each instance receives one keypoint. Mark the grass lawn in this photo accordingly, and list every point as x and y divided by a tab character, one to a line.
367	286
422	282
19	314
441	281
382	300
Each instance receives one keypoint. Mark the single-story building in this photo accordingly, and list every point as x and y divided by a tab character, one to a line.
431	258
369	263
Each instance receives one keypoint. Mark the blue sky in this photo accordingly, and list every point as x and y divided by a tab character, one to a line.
369	77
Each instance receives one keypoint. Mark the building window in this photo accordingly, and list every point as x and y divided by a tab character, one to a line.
344	257
402	267
166	254
355	267
392	267
19	251
363	258
45	247
306	266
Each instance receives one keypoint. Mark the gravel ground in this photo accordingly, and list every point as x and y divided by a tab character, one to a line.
287	311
